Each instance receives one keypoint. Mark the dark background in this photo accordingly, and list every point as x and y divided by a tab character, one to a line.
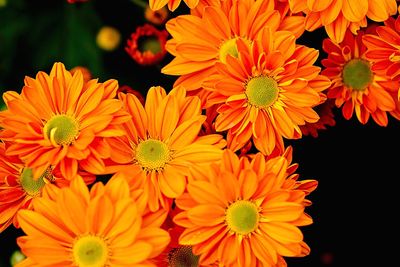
356	204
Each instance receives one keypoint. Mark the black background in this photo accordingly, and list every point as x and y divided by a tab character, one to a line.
356	203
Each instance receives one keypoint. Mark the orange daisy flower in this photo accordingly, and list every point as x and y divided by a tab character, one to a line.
355	85
58	120
147	45
339	15
18	188
98	228
172	4
267	92
383	48
162	144
326	118
244	213
207	36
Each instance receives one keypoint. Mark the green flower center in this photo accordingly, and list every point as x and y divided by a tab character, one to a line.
152	154
357	74
242	217
90	251
149	43
61	129
228	48
262	91
182	257
31	186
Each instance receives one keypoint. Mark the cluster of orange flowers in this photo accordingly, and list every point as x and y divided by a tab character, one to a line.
183	187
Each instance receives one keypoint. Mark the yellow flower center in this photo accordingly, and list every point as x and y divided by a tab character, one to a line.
228	48
31	186
90	251
262	91
149	43
242	217
152	154
182	257
61	129
108	38
357	74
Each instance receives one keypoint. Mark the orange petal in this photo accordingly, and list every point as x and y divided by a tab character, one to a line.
355	10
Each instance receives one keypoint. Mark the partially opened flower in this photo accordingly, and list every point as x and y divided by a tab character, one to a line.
207	36
60	121
147	45
267	92
87	75
161	145
102	227
355	85
383	48
326	118
339	15
157	17
172	4
244	213
127	89
18	186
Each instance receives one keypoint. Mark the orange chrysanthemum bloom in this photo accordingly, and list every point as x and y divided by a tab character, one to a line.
244	213
383	48
18	187
147	45
162	144
172	4
355	85
326	118
58	120
339	15
103	227
208	35
267	92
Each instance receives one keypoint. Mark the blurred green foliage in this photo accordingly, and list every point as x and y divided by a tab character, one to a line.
35	37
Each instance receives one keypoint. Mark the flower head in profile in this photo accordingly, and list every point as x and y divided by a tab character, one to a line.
326	118
103	227
209	34
339	15
60	121
147	45
161	145
244	212
172	4
355	85
267	92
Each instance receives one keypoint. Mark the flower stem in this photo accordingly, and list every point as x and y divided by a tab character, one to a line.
140	3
